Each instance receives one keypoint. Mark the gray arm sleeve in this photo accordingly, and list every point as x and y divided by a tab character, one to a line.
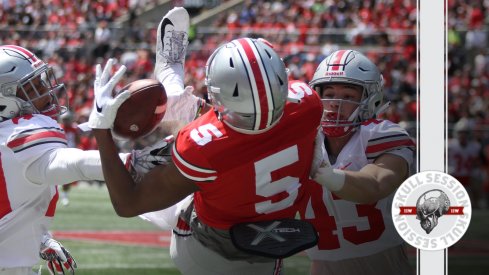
66	165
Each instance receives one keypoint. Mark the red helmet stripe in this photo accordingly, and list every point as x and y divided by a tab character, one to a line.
29	55
336	62
254	61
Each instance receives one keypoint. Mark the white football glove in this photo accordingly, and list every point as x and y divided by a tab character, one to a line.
331	178
139	162
105	106
58	259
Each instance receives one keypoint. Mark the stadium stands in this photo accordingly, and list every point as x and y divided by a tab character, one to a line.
75	35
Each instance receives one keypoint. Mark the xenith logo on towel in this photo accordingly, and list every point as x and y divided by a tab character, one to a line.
431	210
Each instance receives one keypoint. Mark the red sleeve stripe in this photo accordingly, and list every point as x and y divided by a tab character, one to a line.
52	204
389	138
32	138
378	149
190	171
5	206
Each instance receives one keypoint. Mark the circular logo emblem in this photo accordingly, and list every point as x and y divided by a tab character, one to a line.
431	210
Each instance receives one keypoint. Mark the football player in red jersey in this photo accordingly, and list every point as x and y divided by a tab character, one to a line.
246	160
365	160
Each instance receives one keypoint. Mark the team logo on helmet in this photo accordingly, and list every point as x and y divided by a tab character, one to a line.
419	205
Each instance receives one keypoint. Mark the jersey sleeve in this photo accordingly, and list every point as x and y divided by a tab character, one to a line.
35	135
189	159
388	137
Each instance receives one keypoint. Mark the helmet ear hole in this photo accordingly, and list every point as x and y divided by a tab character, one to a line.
231	64
2	107
235	93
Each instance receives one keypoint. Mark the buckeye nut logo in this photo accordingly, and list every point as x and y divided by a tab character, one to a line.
431	210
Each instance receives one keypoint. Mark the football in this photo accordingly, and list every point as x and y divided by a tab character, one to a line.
142	111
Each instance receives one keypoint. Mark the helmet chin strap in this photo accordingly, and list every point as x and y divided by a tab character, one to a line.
53	111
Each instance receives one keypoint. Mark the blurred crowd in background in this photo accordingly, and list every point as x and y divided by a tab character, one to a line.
75	35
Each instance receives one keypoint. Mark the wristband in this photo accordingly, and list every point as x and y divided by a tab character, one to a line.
333	179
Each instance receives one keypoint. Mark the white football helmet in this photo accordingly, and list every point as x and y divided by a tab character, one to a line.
351	67
23	73
247	84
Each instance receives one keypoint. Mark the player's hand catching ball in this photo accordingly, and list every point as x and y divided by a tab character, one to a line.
105	106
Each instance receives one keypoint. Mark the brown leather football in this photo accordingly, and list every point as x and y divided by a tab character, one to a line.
142	111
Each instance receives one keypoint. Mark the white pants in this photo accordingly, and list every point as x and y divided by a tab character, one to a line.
391	261
191	257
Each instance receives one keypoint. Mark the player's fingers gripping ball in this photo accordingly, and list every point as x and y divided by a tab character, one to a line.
105	106
141	113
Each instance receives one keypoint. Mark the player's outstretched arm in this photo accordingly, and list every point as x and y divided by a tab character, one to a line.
372	183
161	187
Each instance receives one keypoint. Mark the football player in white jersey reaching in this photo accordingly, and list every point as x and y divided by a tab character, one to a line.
365	159
35	158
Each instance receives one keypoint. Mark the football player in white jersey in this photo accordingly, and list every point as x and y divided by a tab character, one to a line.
365	159
35	158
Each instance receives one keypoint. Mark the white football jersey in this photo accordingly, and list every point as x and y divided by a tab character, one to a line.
26	208
347	229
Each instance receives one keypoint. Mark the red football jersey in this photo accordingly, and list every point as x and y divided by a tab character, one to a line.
250	177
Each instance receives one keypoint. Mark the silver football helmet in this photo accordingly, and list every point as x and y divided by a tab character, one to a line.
24	78
350	67
247	84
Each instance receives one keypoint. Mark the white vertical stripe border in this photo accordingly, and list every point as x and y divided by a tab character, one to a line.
431	109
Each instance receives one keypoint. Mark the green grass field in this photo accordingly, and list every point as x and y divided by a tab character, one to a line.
90	209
